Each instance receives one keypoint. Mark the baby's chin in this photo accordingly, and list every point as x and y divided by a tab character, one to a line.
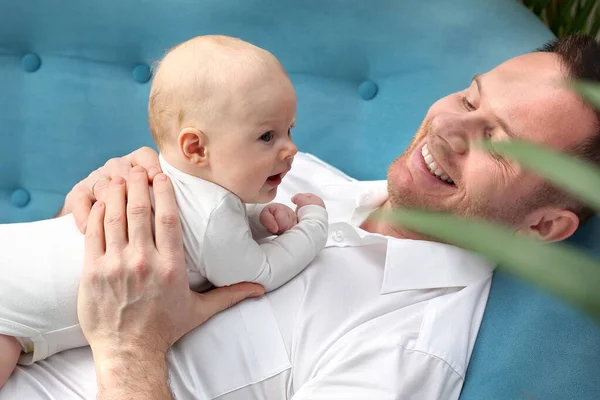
269	196
263	197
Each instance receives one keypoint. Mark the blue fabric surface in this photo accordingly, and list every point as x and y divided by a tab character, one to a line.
73	93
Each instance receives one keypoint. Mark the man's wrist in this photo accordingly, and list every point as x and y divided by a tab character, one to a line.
131	374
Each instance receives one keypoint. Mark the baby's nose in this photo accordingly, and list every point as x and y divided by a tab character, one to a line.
289	151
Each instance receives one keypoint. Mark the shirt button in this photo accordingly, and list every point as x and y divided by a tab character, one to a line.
337	236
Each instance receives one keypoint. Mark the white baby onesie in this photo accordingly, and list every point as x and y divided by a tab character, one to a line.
41	262
220	235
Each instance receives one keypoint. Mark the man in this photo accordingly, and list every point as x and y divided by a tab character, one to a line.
382	312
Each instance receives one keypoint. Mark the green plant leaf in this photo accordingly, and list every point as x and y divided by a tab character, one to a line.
595	28
538	6
576	176
562	17
588	90
558	268
583	13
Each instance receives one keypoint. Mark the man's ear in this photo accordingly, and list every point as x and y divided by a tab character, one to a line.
192	143
550	224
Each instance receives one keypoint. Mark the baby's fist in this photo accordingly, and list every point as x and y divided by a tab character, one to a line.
278	218
307	199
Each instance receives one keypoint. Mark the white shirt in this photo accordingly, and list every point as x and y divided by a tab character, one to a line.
40	262
372	317
220	233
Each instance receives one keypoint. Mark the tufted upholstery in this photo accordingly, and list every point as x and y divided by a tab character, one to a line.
74	80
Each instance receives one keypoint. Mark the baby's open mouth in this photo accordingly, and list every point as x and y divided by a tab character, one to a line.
274	179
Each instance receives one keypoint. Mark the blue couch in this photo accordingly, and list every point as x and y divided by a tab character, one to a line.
74	81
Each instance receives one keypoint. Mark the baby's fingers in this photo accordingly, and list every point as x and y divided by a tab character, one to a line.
267	219
305	199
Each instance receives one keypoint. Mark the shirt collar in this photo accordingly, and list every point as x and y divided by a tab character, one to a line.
410	264
421	264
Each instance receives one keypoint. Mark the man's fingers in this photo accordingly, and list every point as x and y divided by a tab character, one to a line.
81	213
118	166
115	222
169	239
146	158
94	236
99	189
139	210
217	300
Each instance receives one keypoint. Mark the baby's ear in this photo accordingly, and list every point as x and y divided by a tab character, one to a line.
192	146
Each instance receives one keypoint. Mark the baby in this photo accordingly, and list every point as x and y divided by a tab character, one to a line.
221	112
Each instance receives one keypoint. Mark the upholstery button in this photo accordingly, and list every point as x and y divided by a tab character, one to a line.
141	73
367	90
31	62
337	236
20	198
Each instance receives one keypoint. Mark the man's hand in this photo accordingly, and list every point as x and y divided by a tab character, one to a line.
134	298
95	187
278	218
305	199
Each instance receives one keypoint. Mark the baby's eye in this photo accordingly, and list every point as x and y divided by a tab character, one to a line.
267	137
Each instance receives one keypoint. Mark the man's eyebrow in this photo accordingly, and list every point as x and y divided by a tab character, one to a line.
501	122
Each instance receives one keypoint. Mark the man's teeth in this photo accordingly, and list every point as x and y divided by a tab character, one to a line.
433	167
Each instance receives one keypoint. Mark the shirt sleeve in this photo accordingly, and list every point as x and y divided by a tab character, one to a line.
258	230
398	374
232	255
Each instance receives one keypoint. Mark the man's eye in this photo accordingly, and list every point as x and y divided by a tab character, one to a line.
467	104
267	137
290	132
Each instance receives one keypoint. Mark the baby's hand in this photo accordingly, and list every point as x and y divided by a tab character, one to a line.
278	218
306	199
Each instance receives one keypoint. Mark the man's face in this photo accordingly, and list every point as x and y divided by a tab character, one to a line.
524	98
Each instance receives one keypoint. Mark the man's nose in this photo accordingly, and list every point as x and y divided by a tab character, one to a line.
458	130
289	150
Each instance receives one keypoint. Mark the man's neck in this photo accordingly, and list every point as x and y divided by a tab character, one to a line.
384	227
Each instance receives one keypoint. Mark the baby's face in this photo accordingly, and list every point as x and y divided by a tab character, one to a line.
254	150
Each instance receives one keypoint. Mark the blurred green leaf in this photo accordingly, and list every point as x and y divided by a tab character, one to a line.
562	17
566	16
540	5
578	177
536	5
583	12
589	91
595	28
558	268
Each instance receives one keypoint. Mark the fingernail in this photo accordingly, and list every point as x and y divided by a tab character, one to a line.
99	204
117	180
137	168
160	178
256	294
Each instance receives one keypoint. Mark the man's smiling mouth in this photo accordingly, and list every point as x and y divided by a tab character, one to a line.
433	167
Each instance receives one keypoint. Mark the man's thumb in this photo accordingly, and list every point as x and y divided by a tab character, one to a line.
220	299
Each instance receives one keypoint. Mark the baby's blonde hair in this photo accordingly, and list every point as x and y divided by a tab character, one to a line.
194	72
